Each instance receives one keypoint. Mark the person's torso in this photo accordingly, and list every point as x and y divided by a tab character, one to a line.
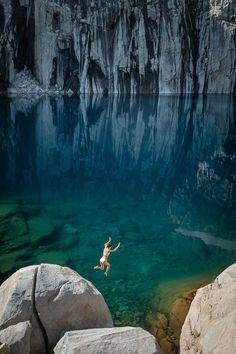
106	252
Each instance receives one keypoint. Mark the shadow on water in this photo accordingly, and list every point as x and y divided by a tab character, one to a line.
158	174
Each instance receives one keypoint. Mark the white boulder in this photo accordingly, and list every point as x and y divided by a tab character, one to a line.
66	301
17	337
117	340
52	300
16	304
210	325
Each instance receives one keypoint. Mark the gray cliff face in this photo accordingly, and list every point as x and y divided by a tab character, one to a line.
131	46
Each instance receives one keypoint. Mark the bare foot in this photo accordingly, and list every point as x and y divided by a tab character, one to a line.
105	274
96	267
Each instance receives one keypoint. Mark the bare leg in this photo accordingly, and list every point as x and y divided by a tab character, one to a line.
107	264
99	267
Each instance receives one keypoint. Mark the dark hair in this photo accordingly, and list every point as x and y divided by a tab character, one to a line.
109	244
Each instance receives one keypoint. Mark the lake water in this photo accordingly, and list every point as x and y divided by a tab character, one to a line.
158	174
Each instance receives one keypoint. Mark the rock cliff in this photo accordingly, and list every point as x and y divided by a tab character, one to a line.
210	324
134	46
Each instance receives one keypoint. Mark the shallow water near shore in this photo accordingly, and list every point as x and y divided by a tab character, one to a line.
157	174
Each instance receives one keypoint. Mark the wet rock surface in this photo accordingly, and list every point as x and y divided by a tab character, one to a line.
120	47
167	327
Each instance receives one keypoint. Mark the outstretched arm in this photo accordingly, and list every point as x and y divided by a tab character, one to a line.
116	248
108	241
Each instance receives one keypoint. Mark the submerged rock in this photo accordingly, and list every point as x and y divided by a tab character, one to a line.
52	300
211	321
127	340
209	239
167	327
178	314
58	257
168	346
9	261
43	231
7	210
69	230
158	325
69	236
13	226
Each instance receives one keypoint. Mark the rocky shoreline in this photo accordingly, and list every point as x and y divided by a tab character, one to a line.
174	299
26	85
47	308
166	327
41	305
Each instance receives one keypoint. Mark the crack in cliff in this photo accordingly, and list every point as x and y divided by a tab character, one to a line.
36	314
191	15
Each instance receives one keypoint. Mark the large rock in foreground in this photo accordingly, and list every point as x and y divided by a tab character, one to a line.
52	300
210	325
17	305
125	340
66	301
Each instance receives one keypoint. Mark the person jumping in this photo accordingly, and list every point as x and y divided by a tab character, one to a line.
106	252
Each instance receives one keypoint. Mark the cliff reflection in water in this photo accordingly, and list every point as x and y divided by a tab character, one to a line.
147	145
156	173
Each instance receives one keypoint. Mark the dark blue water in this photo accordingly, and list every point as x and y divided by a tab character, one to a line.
157	174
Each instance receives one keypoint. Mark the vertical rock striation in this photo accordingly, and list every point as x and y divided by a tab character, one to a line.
134	46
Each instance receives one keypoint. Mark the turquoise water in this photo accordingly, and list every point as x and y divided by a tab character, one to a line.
157	174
